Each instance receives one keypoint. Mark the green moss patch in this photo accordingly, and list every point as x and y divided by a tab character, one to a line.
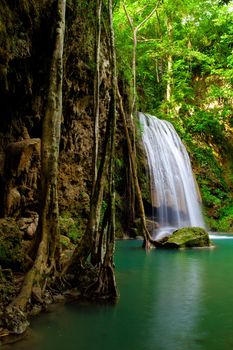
11	248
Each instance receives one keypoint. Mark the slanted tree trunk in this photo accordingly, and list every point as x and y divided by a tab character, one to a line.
135	30
49	231
130	210
148	241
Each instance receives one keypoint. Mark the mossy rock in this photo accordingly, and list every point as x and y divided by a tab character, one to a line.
66	243
11	248
69	227
186	237
137	229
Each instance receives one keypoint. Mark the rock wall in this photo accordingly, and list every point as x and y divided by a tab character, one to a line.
26	34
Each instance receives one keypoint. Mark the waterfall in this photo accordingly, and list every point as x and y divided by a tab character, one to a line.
174	192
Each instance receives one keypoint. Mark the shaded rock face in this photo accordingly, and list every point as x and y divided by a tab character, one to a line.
16	321
137	230
22	173
7	290
186	237
25	63
25	36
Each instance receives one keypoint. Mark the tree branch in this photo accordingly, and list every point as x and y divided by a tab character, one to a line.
148	17
128	16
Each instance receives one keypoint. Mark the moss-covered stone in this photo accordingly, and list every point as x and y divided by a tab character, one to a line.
70	228
137	229
11	248
186	237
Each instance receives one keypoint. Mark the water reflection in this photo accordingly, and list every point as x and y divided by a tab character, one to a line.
178	289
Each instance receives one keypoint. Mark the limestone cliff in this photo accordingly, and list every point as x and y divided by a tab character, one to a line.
26	36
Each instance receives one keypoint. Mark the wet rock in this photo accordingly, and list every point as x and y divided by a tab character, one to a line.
151	225
137	230
31	230
15	320
36	310
139	238
59	298
186	237
13	200
29	225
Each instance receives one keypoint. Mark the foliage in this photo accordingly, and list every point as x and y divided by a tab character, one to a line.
70	227
197	36
206	123
222	220
12	252
103	210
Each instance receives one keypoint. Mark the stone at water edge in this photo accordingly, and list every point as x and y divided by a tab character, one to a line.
137	230
16	320
186	237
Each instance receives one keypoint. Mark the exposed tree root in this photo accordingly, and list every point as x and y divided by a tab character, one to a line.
105	286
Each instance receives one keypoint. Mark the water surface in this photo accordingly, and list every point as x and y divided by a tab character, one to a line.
170	300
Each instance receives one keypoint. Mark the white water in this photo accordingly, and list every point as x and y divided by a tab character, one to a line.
174	192
216	236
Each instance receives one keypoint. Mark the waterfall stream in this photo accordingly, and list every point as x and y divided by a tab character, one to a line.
174	193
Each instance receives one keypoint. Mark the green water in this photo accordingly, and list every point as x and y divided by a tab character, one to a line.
169	300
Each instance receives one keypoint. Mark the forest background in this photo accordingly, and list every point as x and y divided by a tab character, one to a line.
184	75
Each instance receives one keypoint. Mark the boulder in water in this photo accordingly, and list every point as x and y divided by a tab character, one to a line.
186	237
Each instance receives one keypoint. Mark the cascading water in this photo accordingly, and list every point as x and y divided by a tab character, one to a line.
174	193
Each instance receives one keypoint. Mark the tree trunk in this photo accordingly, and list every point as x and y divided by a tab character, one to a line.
169	78
169	63
130	210
106	280
147	237
134	55
96	90
96	122
49	231
135	30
